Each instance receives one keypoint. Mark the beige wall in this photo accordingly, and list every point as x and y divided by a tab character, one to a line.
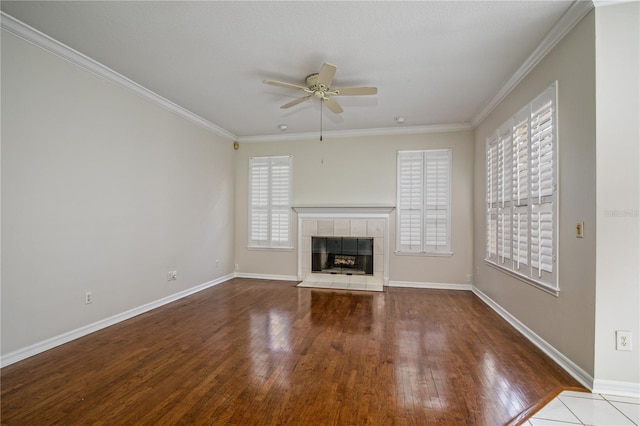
102	191
567	321
361	171
618	192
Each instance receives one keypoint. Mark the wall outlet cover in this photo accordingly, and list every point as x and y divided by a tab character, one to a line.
623	340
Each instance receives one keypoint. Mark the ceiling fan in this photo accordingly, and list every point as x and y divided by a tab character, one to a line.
319	86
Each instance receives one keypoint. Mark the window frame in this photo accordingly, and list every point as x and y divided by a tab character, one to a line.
422	248
269	205
536	215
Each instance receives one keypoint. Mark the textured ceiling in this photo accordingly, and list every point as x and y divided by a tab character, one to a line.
437	63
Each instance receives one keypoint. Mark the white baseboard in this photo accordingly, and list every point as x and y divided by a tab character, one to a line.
266	276
61	339
611	387
569	366
436	286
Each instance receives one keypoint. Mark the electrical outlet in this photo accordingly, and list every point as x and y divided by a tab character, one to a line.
217	263
623	340
172	275
580	229
237	267
88	298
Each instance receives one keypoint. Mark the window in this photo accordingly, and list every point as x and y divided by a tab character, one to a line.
521	192
270	202
423	208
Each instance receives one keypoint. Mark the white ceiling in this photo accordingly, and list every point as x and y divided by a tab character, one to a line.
435	62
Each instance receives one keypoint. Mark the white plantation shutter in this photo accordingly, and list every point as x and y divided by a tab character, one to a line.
424	201
520	147
270	201
259	205
505	192
520	240
492	197
280	201
541	243
410	201
542	142
520	197
436	182
504	235
521	192
505	184
542	149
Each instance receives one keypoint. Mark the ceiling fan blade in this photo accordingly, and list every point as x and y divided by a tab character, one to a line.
295	102
285	85
333	106
354	91
326	74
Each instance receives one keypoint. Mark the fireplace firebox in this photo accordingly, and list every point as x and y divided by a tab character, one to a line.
342	255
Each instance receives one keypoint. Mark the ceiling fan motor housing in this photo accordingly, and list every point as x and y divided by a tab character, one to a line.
311	80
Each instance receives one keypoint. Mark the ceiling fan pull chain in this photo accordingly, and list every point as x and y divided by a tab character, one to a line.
321	121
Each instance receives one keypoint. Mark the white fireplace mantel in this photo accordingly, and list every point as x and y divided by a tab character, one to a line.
360	220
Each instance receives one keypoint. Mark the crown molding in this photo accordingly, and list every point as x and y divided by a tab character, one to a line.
20	29
602	3
561	28
409	130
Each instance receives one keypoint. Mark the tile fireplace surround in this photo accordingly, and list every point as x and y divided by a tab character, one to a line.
344	221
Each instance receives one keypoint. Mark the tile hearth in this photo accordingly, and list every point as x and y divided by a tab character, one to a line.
338	285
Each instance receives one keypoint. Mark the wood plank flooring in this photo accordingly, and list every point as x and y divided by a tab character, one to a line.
256	352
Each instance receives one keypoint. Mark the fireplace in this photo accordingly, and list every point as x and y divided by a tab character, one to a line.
345	223
342	255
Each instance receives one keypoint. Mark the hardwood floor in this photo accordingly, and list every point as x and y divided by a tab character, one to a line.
254	352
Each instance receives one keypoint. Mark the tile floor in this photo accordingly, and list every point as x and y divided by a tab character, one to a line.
578	408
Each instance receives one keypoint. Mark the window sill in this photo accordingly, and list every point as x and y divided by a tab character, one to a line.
537	284
265	248
427	254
